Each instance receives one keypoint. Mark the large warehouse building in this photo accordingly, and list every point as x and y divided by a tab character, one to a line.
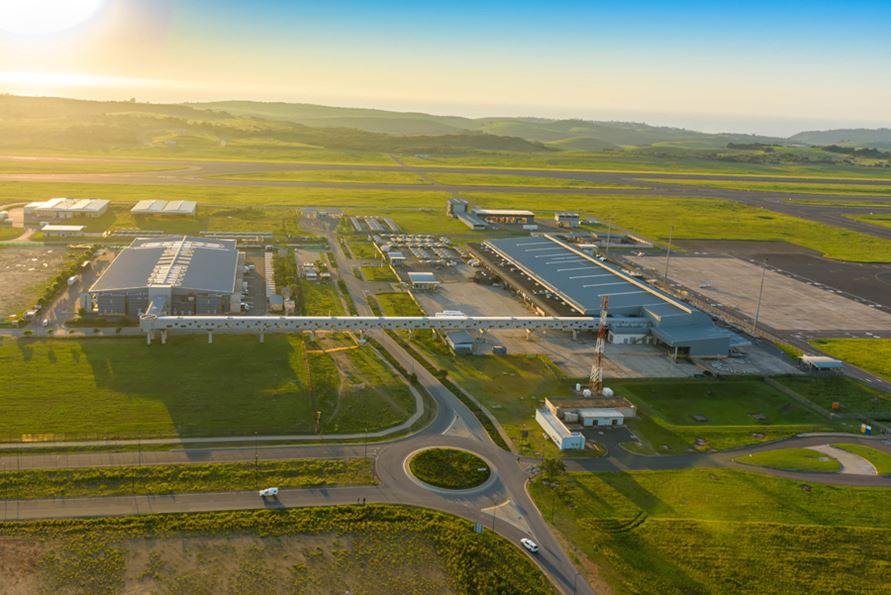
64	208
176	275
636	310
186	208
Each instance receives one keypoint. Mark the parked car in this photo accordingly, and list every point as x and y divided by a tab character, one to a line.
45	323
268	492
529	545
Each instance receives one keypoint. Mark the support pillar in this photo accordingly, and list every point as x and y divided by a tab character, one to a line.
411	333
528	334
575	335
148	337
210	337
261	336
164	337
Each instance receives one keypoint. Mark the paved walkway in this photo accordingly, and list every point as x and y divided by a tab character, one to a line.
851	463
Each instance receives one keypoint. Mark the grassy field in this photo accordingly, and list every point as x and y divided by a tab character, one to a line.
320	299
25	166
377	273
879	459
462	179
449	468
784	187
792	459
853	396
873	355
8	233
883	219
666	408
121	388
376	549
169	479
841	202
722	531
320	175
363	250
704	218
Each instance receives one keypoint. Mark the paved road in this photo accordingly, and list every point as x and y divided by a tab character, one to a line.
206	173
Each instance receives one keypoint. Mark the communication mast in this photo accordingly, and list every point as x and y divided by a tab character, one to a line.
597	368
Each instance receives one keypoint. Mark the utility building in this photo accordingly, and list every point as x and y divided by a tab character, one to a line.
173	276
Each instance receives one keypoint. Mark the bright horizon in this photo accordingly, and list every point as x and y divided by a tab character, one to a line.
757	68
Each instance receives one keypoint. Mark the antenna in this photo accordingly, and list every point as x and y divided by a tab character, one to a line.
597	368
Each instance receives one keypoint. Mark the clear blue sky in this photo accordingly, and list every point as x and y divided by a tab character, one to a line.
773	67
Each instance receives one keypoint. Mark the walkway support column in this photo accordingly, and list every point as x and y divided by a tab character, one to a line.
210	336
148	337
261	336
164	337
528	334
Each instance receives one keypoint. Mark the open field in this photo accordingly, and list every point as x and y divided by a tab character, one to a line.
704	218
10	233
120	387
842	202
377	273
373	549
786	303
28	166
792	459
171	479
880	460
462	179
363	250
734	412
873	355
320	298
449	468
24	273
883	219
319	175
853	396
722	531
790	187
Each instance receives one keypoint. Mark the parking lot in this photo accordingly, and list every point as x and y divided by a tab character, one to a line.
787	304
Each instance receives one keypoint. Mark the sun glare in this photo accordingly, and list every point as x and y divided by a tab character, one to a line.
40	17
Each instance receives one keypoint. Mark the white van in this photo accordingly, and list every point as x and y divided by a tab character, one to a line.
269	492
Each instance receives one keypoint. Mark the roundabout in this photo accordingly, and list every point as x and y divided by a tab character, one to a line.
448	470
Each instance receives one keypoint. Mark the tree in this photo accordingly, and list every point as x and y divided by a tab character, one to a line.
552	468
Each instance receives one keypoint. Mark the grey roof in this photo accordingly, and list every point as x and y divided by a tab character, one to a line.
459	337
199	264
582	280
422	277
822	362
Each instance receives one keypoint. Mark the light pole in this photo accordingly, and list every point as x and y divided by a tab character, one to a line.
760	294
668	252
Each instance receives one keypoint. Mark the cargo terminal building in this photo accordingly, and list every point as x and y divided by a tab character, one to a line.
175	275
576	282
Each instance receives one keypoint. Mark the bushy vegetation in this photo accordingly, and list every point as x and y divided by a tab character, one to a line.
449	468
722	531
90	556
170	479
70	267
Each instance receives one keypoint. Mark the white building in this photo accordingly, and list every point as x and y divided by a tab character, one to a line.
58	231
558	432
64	208
186	208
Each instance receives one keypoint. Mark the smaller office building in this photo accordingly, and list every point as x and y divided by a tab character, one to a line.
186	208
567	220
556	430
423	281
591	411
506	216
460	342
61	231
64	208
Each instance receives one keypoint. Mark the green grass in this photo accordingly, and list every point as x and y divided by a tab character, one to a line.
666	406
320	298
853	396
10	233
873	355
841	202
883	219
398	303
790	187
377	274
449	468
169	479
339	176
879	459
363	250
722	531
374	548
463	179
705	218
792	459
119	387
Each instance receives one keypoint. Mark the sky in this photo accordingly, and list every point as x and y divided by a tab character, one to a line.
756	66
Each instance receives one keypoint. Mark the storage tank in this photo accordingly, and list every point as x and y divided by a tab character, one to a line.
586	393
578	387
608	392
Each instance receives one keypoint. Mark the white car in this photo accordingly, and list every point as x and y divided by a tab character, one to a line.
269	492
529	545
45	323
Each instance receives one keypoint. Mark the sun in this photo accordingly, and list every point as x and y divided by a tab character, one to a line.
40	17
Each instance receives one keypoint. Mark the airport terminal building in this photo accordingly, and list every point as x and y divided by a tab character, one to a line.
575	282
173	275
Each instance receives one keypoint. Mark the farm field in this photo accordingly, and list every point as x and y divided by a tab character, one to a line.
170	479
873	355
879	459
318	175
721	531
733	412
789	187
375	549
792	459
24	273
119	387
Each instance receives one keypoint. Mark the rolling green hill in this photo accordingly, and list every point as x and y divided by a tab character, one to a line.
878	138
